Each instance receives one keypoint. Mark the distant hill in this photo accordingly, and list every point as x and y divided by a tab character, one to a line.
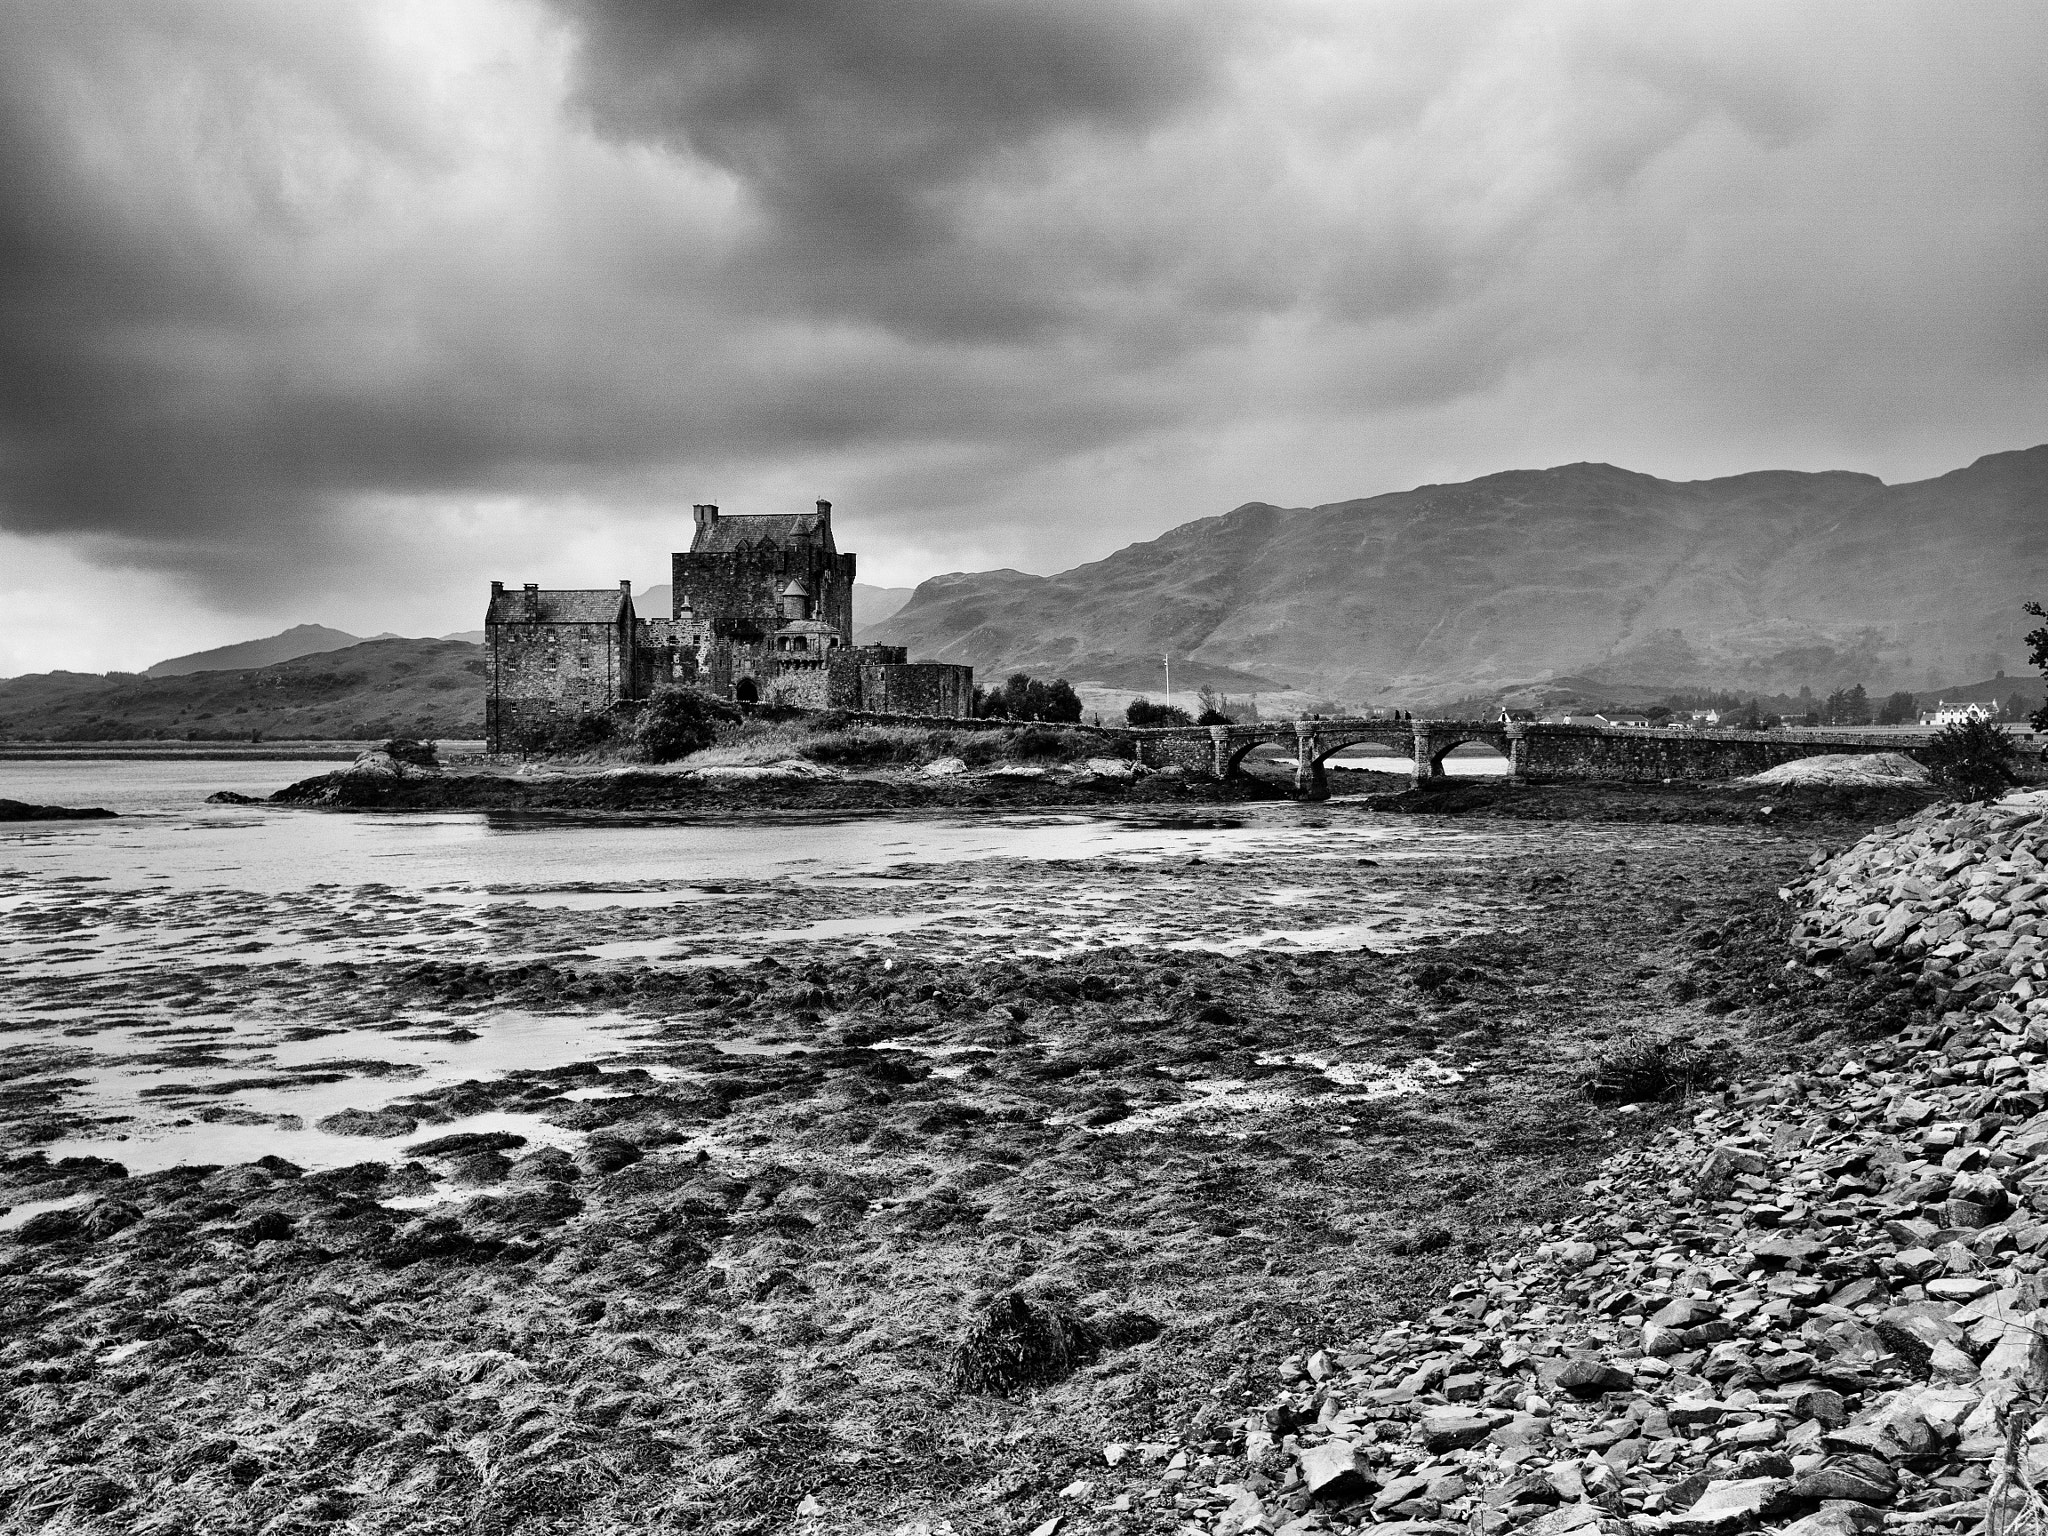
299	640
1764	582
1994	690
430	688
871	605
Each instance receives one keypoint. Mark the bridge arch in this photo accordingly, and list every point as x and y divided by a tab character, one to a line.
1236	745
1436	739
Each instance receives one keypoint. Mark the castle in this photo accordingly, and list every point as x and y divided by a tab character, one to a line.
762	612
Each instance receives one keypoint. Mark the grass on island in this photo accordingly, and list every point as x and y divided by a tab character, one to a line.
893	746
831	741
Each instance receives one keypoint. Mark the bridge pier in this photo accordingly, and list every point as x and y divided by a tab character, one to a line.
1310	782
1426	765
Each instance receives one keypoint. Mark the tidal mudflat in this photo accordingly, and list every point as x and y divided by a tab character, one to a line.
466	1172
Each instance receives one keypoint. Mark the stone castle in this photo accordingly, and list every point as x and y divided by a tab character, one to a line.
762	612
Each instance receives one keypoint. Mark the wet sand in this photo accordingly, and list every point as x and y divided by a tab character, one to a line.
662	1202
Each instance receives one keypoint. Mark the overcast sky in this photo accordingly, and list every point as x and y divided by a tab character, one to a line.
333	313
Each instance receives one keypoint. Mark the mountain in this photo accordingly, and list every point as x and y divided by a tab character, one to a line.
870	604
299	640
378	688
1765	581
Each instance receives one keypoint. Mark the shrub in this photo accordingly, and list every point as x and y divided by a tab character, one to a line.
857	747
414	754
1650	1069
1143	714
679	721
2037	655
1973	760
1037	741
1014	1341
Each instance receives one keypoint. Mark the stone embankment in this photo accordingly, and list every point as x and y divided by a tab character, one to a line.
1818	1306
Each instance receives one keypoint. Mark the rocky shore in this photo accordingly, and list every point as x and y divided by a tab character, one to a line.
770	788
16	810
1817	1305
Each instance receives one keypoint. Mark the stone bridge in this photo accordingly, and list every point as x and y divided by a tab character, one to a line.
1537	753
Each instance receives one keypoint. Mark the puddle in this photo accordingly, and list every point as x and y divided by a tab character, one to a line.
880	926
266	1091
584	900
1219	1101
16	1215
309	1147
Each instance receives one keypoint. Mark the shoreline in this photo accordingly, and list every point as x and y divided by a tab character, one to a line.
679	792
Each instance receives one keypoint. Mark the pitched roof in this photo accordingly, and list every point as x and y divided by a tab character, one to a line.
733	531
561	605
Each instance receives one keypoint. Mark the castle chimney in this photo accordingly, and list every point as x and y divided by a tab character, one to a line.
824	511
497	589
706	513
626	587
532	595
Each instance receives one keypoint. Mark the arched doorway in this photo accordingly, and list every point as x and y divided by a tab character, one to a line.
745	691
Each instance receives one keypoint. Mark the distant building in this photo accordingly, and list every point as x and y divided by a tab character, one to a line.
762	613
1945	713
1511	716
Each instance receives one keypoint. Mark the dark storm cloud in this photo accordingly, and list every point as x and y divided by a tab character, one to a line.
852	118
1019	281
866	132
227	303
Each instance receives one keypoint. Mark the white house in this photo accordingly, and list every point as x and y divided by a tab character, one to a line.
1945	713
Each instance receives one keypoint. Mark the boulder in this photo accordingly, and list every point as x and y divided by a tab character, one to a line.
1862	1479
1332	1472
1446	1429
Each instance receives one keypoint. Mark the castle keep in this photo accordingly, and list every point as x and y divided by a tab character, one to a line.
762	612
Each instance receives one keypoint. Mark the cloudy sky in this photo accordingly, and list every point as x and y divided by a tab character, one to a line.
332	313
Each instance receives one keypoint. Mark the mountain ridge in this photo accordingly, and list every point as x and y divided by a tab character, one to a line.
287	645
1766	579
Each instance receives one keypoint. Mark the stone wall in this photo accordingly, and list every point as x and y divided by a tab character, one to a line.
737	594
917	688
662	656
576	665
1545	752
800	685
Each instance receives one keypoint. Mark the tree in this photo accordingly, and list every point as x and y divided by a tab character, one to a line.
679	721
1215	707
1143	714
1847	706
2037	656
1898	709
1973	760
1024	697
